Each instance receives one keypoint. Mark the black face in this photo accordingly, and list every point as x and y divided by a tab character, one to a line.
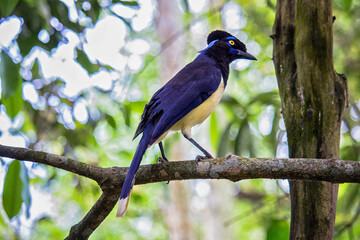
223	45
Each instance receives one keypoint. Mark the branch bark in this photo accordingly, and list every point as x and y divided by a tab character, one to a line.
53	160
233	168
95	216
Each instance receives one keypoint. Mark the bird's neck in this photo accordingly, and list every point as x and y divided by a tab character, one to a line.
222	62
224	67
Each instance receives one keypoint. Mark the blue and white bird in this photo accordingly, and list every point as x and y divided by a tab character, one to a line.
185	101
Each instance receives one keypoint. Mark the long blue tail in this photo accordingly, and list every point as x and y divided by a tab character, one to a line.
130	176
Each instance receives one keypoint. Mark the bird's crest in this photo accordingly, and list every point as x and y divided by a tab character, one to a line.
217	35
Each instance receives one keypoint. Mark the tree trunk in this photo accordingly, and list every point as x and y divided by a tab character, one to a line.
313	99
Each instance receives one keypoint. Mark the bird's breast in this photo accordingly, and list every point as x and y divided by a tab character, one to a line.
197	115
201	112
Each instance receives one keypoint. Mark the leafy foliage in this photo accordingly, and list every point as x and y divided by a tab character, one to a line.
11	96
16	189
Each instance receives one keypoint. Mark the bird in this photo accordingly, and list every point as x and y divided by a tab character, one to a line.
184	101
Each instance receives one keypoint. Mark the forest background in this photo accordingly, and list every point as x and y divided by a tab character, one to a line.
75	77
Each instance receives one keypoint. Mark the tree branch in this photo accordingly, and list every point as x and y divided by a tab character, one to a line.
65	163
233	168
95	216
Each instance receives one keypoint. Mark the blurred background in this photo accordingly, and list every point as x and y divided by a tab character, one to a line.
75	76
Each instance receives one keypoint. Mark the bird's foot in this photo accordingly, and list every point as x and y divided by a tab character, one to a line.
162	160
200	158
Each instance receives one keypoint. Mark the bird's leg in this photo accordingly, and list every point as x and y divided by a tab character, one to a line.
162	159
198	158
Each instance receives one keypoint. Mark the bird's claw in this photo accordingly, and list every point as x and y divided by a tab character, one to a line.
200	158
162	160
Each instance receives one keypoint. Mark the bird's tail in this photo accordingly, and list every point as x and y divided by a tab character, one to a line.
130	176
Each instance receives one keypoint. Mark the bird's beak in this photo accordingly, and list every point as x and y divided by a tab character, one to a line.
245	55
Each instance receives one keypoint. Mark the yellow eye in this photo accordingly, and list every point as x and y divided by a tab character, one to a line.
232	42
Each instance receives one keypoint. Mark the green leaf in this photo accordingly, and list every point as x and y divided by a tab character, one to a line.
84	61
272	138
214	130
14	103
111	121
2	221
95	11
223	144
266	98
7	7
11	84
10	76
27	42
13	188
278	230
127	3
26	190
60	10
241	141
35	70
126	111
231	101
244	140
34	19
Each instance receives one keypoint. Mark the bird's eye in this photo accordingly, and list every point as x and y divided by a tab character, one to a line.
232	43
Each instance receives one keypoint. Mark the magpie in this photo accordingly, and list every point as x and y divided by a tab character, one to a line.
185	101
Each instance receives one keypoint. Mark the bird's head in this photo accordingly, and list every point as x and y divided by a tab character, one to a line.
222	45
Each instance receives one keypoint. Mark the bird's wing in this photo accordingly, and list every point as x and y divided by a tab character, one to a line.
188	89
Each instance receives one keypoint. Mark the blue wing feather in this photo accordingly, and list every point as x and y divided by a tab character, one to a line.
185	91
